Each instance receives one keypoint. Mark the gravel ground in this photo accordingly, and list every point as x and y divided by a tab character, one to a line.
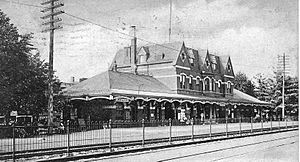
278	147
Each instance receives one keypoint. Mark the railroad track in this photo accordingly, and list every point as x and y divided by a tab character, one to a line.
196	139
229	148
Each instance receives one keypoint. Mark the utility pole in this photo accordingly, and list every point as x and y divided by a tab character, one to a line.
51	6
282	62
170	23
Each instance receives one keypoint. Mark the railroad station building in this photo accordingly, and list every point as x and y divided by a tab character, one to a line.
163	81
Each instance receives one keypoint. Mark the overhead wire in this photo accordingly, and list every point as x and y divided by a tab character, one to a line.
107	28
102	26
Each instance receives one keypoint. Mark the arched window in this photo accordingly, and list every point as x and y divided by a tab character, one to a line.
228	87
182	81
191	82
212	85
220	86
206	84
201	85
217	87
197	84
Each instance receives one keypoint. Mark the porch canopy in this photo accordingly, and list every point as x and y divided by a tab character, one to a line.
112	85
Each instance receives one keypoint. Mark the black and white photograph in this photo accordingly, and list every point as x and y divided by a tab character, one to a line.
149	80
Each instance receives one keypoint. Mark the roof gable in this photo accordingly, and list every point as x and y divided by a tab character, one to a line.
183	57
229	68
206	67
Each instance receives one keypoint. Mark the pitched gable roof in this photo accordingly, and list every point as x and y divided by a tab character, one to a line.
169	50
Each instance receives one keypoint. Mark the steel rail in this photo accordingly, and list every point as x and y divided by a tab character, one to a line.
206	138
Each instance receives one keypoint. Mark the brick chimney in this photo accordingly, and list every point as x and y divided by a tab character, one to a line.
133	52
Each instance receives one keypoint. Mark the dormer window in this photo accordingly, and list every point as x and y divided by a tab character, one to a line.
142	59
192	61
214	66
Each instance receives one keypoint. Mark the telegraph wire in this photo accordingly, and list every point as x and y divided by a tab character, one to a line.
24	4
110	29
102	26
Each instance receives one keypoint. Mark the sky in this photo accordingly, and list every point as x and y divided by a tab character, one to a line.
253	32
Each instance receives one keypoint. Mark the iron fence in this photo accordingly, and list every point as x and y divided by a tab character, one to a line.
18	141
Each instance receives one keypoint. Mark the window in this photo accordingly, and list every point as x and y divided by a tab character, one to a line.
206	84
220	87
228	67
192	61
207	62
214	66
162	56
228	87
197	84
142	59
200	85
191	83
182	56
182	81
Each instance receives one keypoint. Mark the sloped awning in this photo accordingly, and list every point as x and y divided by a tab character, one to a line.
111	85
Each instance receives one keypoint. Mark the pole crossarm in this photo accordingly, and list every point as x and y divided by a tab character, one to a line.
52	21
48	2
52	7
52	28
52	14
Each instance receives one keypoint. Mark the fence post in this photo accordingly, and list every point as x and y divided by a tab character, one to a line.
251	120
271	123
285	122
210	135
68	137
192	122
170	125
292	123
226	120
143	127
14	143
262	124
279	124
240	126
110	135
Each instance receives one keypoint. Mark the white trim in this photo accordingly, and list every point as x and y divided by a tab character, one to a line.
183	74
144	68
228	76
182	67
190	79
167	76
219	84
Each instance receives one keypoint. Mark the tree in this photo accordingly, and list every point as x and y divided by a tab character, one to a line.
264	89
23	75
242	83
291	94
